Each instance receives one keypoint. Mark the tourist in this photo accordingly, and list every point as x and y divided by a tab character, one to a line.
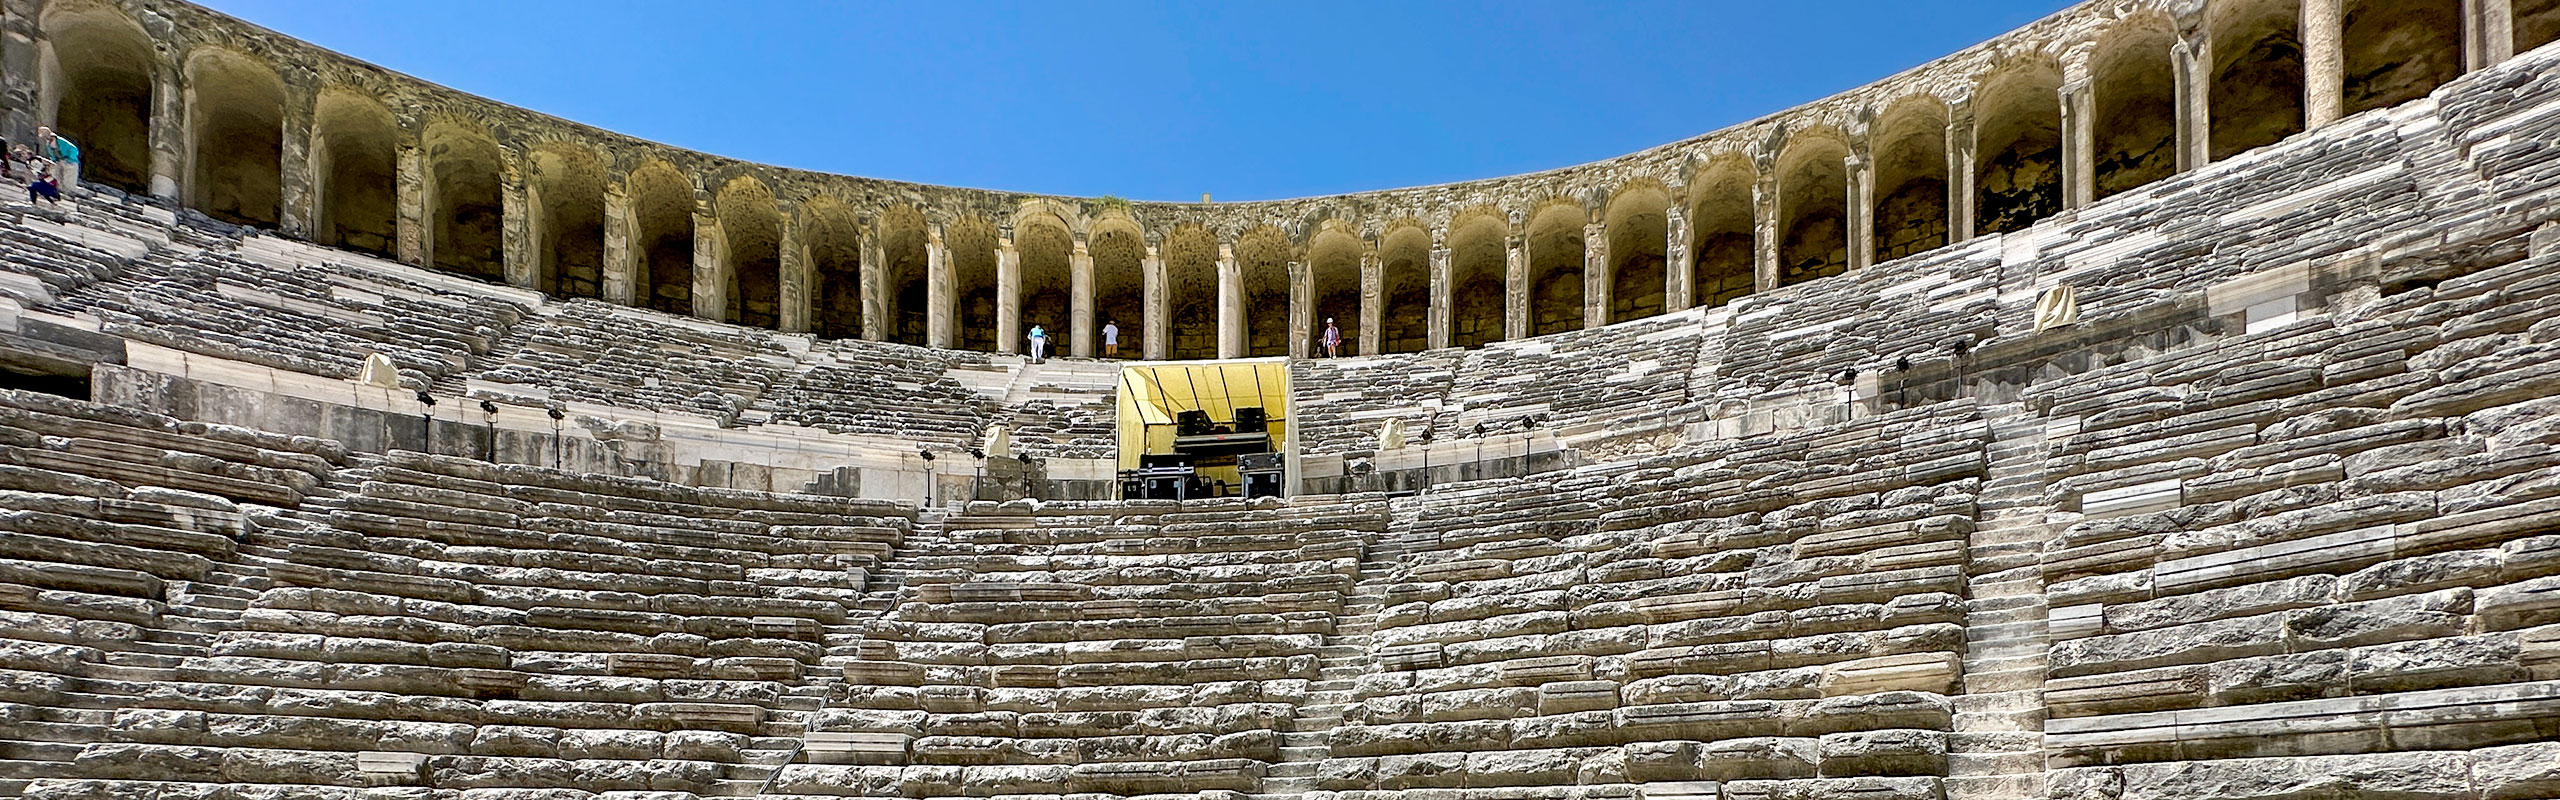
1332	339
64	155
22	161
1039	344
43	185
1111	338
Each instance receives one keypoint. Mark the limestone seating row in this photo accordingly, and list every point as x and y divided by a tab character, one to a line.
588	351
50	266
1048	429
310	318
1340	404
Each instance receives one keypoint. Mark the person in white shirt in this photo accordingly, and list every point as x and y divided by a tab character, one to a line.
1111	338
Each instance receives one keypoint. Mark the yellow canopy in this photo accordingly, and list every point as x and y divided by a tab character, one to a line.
1152	393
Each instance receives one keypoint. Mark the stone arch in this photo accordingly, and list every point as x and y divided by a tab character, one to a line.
905	275
1333	265
1262	259
1554	239
567	193
2255	80
98	90
751	245
235	142
2134	105
2397	50
2536	23
355	146
1045	247
466	219
970	244
1813	207
1638	225
662	205
1723	256
2017	175
1910	145
1119	252
1404	289
1479	263
831	246
1191	292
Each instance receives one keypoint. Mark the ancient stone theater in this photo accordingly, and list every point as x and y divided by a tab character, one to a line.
2160	401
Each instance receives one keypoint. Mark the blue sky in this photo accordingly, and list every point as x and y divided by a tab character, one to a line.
1247	101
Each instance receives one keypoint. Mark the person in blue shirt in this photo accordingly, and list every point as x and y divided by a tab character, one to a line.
1039	344
64	155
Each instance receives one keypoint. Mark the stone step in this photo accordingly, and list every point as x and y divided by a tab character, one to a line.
1995	787
2000	721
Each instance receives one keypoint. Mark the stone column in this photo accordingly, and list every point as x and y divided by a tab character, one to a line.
2195	140
1764	231
1960	172
520	262
1861	173
297	195
2324	63
1441	316
409	219
1008	296
621	260
2488	33
711	267
1677	293
1156	343
1595	274
1515	288
1302	310
2079	145
939	305
798	303
875	279
1080	300
1231	333
1373	304
168	134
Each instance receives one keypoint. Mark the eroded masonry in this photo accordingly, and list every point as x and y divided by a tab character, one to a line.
2158	402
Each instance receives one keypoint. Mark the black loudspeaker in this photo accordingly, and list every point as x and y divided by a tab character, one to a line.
1250	419
1259	462
1191	423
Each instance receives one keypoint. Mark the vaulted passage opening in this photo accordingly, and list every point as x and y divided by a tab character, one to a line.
1813	209
2135	122
1046	248
1191	292
971	244
1333	262
751	232
662	239
832	243
1638	229
1723	263
1262	255
2256	92
568	199
98	92
1404	286
235	112
1478	264
2398	50
465	216
1911	179
2537	23
904	267
354	147
1119	254
2018	148
1555	270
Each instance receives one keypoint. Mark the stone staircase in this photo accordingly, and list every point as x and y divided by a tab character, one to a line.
1997	752
1343	658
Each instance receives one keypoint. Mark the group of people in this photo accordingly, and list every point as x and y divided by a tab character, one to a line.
49	168
1111	340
